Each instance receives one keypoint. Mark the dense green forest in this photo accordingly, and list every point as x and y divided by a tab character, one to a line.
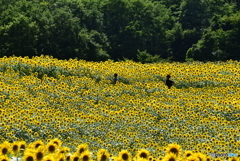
140	30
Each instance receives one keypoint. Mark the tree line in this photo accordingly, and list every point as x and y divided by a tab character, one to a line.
140	30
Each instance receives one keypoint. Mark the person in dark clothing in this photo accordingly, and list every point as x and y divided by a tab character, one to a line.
169	82
115	78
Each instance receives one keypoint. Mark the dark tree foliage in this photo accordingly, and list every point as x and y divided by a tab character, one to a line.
141	30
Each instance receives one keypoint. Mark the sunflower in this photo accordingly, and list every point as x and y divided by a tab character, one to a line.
154	159
102	155
64	150
150	158
75	157
125	155
4	148
51	147
174	148
49	158
188	153
143	153
200	156
15	147
22	146
81	148
233	159
68	157
37	144
170	157
61	158
29	157
57	142
39	154
4	158
208	159
86	156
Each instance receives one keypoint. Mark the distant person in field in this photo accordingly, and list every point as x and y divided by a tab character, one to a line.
169	82
115	78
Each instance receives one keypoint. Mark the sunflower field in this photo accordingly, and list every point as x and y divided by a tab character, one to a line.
69	110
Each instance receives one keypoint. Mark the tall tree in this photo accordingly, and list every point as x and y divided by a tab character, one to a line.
221	40
18	34
136	25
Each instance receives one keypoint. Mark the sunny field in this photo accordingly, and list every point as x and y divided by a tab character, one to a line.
61	110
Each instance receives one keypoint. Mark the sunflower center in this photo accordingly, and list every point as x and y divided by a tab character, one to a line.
39	155
174	150
75	159
4	151
103	157
85	158
4	160
188	155
51	148
125	156
171	159
22	147
30	158
81	150
68	158
15	147
37	145
143	155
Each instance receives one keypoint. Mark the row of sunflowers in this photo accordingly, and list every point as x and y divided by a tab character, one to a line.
54	151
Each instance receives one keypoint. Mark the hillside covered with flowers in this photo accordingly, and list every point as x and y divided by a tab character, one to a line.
61	110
